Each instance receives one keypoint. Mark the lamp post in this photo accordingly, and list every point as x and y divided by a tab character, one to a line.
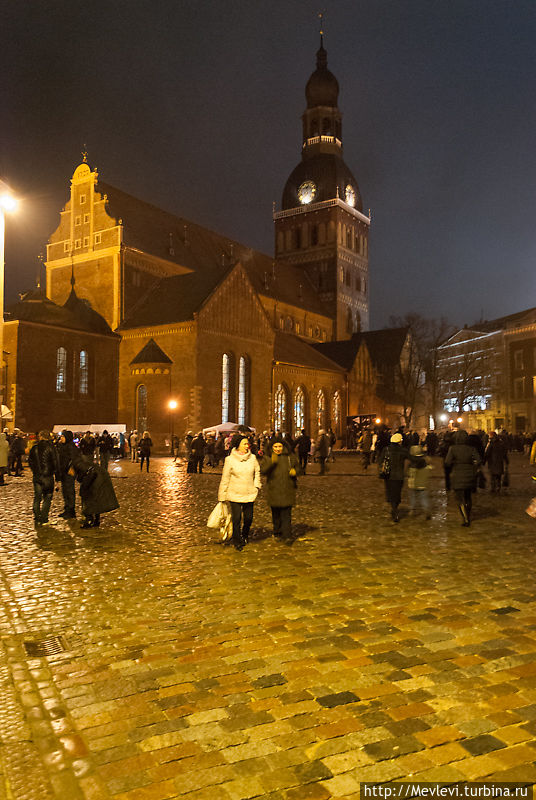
7	203
172	405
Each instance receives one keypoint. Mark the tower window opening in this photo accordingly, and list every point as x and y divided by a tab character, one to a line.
297	238
326	125
314	235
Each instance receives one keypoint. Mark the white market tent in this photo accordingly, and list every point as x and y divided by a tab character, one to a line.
225	427
94	427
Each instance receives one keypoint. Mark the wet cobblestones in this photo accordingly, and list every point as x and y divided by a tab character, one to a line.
366	651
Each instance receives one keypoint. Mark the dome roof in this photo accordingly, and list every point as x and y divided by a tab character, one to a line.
322	87
328	173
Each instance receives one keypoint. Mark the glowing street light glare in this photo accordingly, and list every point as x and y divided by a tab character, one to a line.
172	405
8	202
460	419
444	417
377	421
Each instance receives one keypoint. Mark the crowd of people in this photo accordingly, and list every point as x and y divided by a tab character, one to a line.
399	455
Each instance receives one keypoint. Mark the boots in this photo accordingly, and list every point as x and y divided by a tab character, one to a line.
465	515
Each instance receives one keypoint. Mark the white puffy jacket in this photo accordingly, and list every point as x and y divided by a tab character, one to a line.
241	478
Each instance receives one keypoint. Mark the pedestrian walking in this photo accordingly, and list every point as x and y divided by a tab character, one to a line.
239	485
4	450
106	446
96	491
133	444
366	447
464	462
145	450
43	461
303	446
391	463
87	445
16	451
419	471
67	453
322	448
496	457
197	450
281	468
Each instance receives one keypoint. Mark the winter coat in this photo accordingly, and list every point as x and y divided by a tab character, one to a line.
198	447
240	479
106	444
145	446
303	443
18	446
43	461
464	461
67	453
4	449
398	455
418	475
366	442
96	489
87	446
322	446
280	486
496	456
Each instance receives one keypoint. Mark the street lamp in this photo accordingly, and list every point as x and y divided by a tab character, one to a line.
172	405
7	204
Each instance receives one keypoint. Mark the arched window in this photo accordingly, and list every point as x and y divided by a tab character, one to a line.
280	242
321	409
280	408
243	390
358	283
336	413
297	238
348	278
325	125
314	127
357	321
83	372
225	387
289	324
141	408
61	369
299	410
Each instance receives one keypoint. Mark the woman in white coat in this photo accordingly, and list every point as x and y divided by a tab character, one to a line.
239	486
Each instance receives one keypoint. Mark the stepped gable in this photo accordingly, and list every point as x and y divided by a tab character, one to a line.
151	353
75	314
290	349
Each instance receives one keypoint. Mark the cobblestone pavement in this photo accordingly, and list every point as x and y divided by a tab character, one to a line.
364	651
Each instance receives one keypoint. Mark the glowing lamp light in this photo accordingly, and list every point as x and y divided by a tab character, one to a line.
444	417
460	419
377	421
8	202
172	405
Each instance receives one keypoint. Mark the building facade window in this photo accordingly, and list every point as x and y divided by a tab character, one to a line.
141	409
349	321
83	372
98	238
518	359
280	408
61	369
321	409
519	388
225	387
67	246
243	390
336	413
299	410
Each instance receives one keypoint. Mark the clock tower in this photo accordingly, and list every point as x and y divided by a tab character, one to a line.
321	226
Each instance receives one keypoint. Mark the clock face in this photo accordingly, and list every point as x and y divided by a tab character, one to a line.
306	192
349	195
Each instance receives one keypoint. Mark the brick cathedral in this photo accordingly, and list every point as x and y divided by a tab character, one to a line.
143	307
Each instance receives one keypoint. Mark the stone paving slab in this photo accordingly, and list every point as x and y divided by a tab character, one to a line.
364	651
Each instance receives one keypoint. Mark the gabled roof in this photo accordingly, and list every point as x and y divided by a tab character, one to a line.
384	346
290	349
211	255
518	319
75	314
151	353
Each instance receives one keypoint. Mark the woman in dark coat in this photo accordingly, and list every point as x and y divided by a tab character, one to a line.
464	462
96	491
145	450
496	457
281	468
397	457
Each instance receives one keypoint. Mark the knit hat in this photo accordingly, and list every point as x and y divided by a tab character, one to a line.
396	438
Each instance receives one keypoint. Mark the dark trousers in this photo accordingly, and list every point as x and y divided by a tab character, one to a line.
17	464
41	503
447	471
366	459
68	492
303	458
393	492
282	521
322	460
464	497
105	459
496	481
244	510
143	458
198	462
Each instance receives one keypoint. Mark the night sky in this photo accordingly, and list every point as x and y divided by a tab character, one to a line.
195	106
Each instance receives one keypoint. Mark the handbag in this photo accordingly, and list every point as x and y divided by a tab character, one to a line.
220	518
385	466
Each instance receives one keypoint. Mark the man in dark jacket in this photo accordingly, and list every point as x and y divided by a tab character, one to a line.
87	445
496	457
198	452
67	453
322	449
106	446
16	451
303	446
43	461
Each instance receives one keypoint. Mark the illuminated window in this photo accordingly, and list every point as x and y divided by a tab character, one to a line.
86	241
67	246
298	328
321	409
82	199
243	385
98	238
337	412
225	383
282	323
78	244
141	408
83	374
289	324
299	410
280	408
78	220
86	219
61	369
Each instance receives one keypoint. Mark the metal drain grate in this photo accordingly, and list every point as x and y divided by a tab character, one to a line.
45	647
